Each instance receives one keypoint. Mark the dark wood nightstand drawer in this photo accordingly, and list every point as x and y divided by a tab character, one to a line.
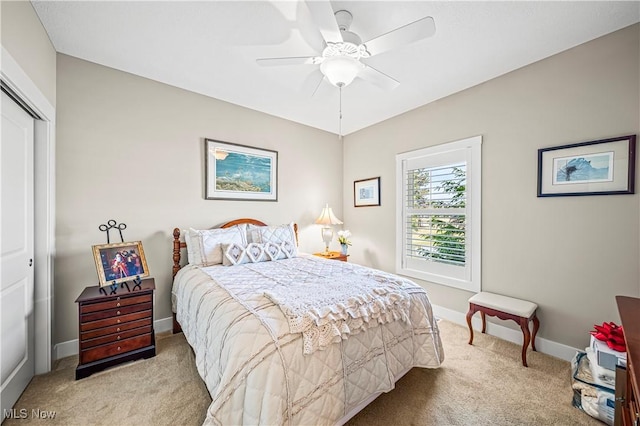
115	320
115	337
118	302
116	348
114	329
116	312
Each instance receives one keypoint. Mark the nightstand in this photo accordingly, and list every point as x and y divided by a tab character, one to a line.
333	255
114	328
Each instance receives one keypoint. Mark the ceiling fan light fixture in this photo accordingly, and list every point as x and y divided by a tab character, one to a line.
340	70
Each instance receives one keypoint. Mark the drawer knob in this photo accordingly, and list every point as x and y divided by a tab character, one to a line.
118	321
118	305
118	329
118	313
118	338
118	347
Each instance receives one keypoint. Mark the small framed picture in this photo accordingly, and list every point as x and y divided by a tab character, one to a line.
120	262
601	167
366	192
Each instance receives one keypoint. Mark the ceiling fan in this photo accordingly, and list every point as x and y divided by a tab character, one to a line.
340	61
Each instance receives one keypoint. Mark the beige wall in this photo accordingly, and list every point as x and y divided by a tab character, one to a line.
25	39
131	149
571	255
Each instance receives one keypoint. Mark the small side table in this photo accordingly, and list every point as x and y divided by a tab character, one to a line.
114	328
333	255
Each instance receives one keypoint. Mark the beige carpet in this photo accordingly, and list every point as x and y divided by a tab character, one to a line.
483	384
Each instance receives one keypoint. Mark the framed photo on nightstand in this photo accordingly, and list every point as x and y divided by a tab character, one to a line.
120	262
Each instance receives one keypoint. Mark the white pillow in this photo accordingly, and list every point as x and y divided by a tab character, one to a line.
192	247
250	232
236	254
284	236
207	244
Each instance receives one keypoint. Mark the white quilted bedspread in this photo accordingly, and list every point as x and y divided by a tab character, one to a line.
254	366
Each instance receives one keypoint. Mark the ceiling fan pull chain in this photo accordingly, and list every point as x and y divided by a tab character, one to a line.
340	110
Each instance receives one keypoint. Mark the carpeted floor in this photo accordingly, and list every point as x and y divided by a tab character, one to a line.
483	384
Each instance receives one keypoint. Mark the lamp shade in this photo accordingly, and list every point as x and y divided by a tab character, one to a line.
340	70
327	217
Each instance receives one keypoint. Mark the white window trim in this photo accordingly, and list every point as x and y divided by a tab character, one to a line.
474	197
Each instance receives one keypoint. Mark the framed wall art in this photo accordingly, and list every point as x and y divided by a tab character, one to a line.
120	262
366	192
240	172
601	167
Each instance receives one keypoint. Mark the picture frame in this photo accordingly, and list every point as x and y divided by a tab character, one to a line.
240	172
120	262
600	167
366	192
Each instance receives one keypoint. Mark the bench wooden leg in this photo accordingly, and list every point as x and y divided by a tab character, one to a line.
536	325
484	322
524	325
469	315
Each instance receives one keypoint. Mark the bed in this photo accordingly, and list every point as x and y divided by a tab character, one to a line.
282	337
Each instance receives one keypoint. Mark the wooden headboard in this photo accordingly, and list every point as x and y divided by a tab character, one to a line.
179	245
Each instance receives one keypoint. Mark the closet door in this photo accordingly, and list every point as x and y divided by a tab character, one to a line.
16	253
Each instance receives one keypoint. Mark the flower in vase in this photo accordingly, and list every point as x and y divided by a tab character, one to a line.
343	237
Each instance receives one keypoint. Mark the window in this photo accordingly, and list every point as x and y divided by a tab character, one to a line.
438	204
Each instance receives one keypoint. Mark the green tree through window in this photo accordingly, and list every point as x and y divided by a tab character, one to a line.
439	194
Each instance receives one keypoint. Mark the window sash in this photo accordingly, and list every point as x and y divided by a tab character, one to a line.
424	241
430	248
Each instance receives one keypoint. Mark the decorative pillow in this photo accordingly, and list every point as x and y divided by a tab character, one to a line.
272	250
207	244
236	254
233	254
284	250
250	231
283	236
192	247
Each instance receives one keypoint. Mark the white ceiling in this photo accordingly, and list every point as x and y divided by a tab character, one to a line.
210	47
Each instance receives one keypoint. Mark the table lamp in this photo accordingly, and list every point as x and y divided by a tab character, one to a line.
327	218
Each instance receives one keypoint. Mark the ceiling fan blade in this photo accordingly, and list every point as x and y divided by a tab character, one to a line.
378	78
325	19
409	33
293	60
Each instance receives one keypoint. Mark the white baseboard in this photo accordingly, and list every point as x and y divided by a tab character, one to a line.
65	349
544	346
162	325
70	347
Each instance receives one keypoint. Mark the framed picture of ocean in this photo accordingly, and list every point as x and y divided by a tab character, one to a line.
601	167
240	172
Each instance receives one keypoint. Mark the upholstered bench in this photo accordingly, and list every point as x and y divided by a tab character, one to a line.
503	307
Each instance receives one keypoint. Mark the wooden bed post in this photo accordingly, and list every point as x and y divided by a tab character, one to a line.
176	251
176	268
